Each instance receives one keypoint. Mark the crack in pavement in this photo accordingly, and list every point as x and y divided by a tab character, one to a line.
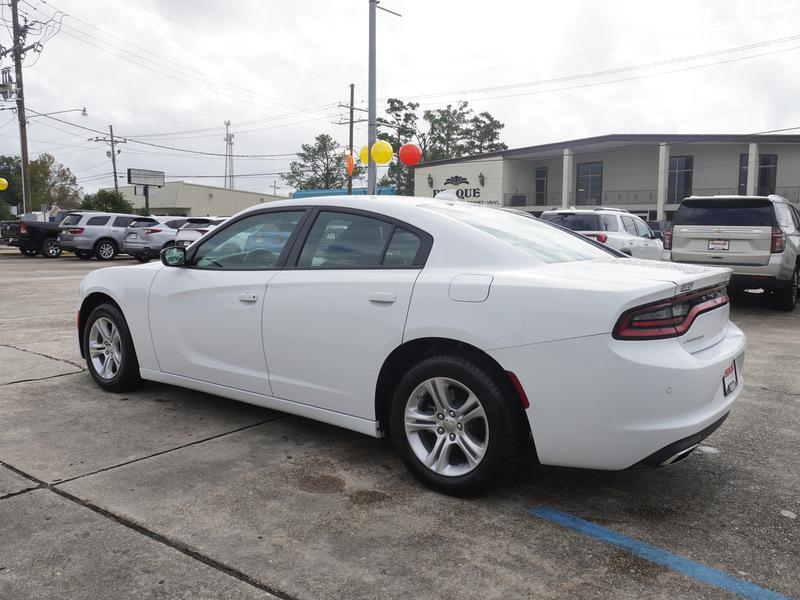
69	362
141	529
44	378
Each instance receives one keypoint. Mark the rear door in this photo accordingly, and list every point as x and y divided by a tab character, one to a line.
724	231
337	310
649	247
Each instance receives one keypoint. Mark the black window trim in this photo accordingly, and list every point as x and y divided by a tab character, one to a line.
426	241
190	264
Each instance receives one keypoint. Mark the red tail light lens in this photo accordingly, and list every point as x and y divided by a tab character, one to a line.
778	241
22	228
668	318
149	231
602	238
75	230
668	238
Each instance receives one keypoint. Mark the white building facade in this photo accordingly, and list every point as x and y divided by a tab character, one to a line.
194	200
646	174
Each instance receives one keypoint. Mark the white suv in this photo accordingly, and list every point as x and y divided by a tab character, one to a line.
614	227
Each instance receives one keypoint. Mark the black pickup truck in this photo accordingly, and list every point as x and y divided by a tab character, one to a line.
31	237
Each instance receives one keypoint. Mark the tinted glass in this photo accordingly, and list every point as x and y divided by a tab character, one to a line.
143	223
343	241
71	220
402	249
784	215
641	229
575	222
589	184
123	221
627	223
743	211
767	174
255	242
540	241
175	224
609	223
679	180
197	224
97	220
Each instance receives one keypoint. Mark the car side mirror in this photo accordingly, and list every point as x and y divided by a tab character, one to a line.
657	235
174	256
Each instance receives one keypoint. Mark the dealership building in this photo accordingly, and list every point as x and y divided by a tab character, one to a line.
648	175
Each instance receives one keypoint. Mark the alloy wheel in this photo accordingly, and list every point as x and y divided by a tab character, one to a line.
51	248
106	250
105	348
446	426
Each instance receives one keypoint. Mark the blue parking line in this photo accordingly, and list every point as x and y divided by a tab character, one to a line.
658	556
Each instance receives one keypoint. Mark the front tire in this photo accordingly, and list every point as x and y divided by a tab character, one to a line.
108	348
50	248
105	250
29	252
143	257
458	427
786	298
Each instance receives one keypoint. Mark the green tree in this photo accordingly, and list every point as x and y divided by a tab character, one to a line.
106	201
483	135
320	166
448	131
51	183
399	127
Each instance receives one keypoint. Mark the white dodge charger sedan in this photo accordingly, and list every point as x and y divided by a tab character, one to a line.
462	331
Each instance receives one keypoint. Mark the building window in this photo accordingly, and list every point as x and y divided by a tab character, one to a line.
589	185
679	181
767	174
540	186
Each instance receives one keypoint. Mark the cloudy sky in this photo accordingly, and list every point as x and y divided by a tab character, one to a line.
170	72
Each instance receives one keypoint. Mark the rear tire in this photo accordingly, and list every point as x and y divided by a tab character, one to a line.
469	452
50	248
108	348
143	257
786	298
105	250
29	252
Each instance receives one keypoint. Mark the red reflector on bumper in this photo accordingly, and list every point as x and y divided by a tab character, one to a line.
518	387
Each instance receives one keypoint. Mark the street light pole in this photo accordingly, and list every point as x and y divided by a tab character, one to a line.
372	128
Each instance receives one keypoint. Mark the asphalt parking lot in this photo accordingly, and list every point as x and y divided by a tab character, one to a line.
170	493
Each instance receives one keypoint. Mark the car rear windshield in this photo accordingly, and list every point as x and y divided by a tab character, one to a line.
583	221
71	220
735	211
544	243
143	223
197	224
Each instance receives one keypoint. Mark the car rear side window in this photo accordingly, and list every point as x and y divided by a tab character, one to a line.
629	225
123	221
97	220
71	220
609	223
344	241
402	249
732	212
784	214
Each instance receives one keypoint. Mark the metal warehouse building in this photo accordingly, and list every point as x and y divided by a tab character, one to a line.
646	174
195	200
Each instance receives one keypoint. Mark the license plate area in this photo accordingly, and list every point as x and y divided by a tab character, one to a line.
730	378
719	244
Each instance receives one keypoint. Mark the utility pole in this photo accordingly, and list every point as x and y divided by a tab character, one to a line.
350	142
228	181
19	39
372	123
275	188
112	154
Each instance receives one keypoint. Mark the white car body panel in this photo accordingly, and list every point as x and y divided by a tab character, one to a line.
312	343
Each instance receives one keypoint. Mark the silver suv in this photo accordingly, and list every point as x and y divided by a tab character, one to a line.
614	227
92	233
146	236
756	236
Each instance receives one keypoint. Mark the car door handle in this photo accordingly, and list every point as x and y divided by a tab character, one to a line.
248	297
382	297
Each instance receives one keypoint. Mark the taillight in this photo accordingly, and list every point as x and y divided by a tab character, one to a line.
75	230
668	238
22	228
602	238
778	240
668	318
149	231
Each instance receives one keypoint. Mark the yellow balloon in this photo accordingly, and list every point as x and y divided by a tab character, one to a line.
3	184
363	154
382	152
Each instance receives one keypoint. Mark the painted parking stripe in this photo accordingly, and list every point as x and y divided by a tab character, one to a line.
658	556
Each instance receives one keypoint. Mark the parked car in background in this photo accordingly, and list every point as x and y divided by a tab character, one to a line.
195	228
462	372
658	226
611	226
32	237
146	236
756	236
92	233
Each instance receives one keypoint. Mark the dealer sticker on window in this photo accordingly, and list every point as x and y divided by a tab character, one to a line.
730	379
719	244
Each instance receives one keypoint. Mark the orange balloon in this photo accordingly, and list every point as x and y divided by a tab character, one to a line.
350	164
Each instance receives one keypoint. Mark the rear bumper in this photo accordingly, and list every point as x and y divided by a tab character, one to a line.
72	245
601	403
134	248
774	274
677	451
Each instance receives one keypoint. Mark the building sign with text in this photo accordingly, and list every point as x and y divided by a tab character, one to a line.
470	194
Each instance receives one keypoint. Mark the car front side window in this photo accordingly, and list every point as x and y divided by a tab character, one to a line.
255	242
642	230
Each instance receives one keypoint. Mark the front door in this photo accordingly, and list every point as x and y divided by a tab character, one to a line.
205	318
332	318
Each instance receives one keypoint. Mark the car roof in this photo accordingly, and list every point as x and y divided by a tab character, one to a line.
771	198
594	211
